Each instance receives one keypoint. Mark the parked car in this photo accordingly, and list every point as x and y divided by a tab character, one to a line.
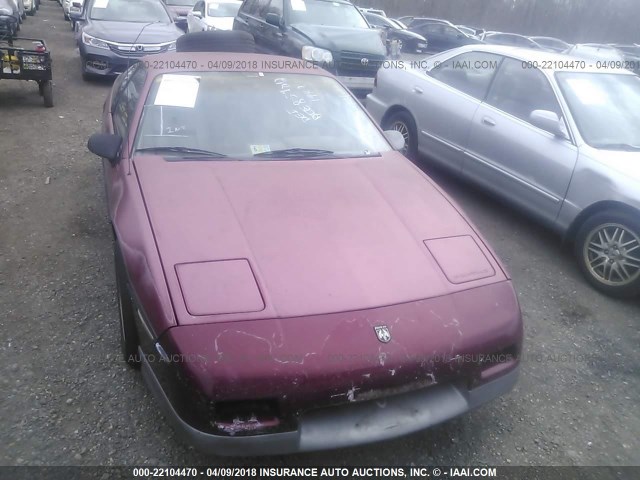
471	31
113	33
9	19
441	37
410	42
511	39
631	55
333	34
417	21
18	9
289	284
179	10
375	11
30	7
551	44
562	143
212	15
596	52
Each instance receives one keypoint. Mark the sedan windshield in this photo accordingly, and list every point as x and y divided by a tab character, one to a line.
325	12
605	107
140	11
223	9
251	115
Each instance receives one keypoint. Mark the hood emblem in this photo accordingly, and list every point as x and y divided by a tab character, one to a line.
137	48
383	333
365	62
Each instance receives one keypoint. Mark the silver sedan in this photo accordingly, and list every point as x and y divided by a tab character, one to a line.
556	136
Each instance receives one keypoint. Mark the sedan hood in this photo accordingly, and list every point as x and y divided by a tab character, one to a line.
130	32
625	163
246	240
361	40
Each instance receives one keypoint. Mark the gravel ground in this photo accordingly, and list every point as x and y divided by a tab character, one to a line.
68	399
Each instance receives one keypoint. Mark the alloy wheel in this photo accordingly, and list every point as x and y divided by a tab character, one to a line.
612	254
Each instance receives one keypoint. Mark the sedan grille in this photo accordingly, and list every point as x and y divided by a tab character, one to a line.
130	50
355	64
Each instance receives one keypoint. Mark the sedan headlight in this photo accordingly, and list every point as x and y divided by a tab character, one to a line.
93	41
317	55
172	47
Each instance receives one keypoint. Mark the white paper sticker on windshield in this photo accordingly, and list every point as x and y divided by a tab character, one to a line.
178	91
587	92
298	5
101	3
256	149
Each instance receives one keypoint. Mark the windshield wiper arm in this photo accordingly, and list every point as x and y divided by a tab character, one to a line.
185	150
619	146
296	153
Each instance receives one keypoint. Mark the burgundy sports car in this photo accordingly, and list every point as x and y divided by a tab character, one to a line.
287	280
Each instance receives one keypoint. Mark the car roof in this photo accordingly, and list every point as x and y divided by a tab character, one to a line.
193	62
557	62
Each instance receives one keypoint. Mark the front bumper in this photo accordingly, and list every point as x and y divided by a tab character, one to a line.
360	86
345	425
100	61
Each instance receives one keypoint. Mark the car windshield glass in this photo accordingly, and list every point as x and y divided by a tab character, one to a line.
295	115
141	11
322	12
181	3
605	107
223	9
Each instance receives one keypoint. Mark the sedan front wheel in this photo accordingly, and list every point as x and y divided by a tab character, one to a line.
403	122
608	252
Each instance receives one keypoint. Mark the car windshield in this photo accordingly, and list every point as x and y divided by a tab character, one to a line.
605	107
326	12
140	11
293	115
223	9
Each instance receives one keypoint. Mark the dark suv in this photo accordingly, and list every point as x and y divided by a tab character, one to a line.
332	33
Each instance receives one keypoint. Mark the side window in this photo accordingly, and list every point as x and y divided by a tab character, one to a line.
199	7
261	8
470	73
276	6
519	91
127	99
433	28
450	32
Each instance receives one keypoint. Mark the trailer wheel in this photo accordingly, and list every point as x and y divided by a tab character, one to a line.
47	93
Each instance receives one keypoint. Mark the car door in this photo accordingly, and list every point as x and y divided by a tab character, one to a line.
508	154
446	101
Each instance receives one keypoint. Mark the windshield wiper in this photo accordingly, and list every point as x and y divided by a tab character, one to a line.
297	153
187	151
618	146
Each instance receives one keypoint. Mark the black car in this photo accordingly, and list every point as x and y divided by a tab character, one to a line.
631	55
112	34
441	36
410	42
332	33
511	39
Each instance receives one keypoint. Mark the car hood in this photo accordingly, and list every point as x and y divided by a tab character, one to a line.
130	32
625	163
361	40
243	240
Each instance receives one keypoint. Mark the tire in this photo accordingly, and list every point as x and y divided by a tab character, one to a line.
66	17
47	93
216	41
128	334
607	249
403	122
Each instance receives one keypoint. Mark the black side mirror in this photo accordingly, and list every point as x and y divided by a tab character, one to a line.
105	145
273	19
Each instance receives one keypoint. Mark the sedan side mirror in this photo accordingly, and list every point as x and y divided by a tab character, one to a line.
105	145
196	13
395	138
548	121
273	19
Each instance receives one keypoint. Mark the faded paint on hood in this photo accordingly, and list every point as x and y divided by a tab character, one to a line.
321	236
